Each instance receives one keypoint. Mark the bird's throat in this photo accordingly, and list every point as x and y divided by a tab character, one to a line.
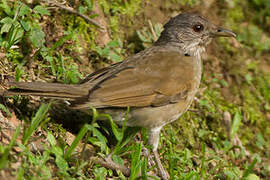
193	49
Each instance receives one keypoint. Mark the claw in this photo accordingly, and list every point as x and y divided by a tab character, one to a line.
162	172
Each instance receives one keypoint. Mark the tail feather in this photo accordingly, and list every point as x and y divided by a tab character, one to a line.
52	90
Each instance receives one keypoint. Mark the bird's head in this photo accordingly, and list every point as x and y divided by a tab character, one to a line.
191	32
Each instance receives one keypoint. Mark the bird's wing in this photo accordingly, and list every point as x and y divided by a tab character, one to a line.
151	79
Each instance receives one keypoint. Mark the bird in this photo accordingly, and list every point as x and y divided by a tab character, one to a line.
157	84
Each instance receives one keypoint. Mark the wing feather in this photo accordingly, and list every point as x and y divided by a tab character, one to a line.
157	79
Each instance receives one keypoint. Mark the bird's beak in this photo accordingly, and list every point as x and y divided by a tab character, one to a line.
220	32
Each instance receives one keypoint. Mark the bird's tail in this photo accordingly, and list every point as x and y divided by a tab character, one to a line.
52	90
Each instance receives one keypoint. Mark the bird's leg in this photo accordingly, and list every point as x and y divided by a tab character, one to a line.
145	152
163	173
153	140
150	159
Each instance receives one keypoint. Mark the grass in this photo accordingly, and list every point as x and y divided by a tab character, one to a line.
197	146
6	150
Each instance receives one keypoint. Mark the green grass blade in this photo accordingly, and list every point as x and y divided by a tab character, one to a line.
144	169
4	157
203	170
3	108
39	116
118	133
236	123
249	169
128	136
94	115
76	141
61	41
190	176
135	161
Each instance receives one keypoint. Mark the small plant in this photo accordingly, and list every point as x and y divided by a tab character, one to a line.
235	80
113	50
22	24
4	156
148	35
35	122
21	20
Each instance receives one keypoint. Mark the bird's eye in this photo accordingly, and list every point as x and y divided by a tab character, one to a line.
198	27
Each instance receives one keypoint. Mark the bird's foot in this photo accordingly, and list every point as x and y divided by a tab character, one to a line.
154	161
162	172
150	159
151	162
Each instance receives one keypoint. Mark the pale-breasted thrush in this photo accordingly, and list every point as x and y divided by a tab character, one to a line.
158	83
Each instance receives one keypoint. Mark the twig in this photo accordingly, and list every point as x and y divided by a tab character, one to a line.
227	120
194	111
71	10
108	163
152	30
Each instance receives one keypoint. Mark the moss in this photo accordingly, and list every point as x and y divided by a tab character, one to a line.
197	145
186	2
116	9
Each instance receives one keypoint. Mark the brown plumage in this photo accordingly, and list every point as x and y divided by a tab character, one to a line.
158	84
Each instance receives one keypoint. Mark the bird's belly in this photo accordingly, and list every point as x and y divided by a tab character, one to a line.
150	117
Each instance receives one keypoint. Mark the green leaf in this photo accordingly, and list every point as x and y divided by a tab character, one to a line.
57	151
204	102
50	59
118	133
101	138
135	161
4	156
89	4
24	10
144	169
18	73
6	7
141	36
15	35
203	168
25	25
260	142
249	78
20	173
7	21
130	132
39	116
99	51
82	9
106	52
61	41
112	44
236	123
118	159
3	108
51	138
78	138
115	57
61	163
190	176
249	169
252	177
100	173
95	115
41	10
224	83
37	37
